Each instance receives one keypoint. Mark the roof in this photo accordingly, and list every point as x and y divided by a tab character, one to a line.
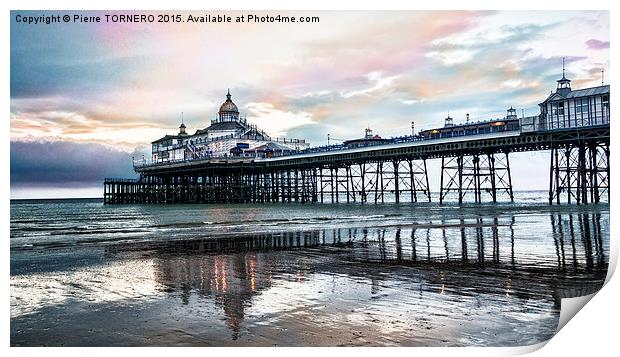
271	146
226	125
472	124
374	139
167	137
579	93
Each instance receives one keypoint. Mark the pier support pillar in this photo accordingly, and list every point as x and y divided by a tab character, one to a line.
476	174
579	173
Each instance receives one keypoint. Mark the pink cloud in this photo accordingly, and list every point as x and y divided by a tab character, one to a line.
389	44
597	44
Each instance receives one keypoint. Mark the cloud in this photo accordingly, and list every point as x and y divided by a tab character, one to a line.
597	44
378	82
75	126
66	164
125	86
274	121
128	85
410	101
389	42
479	65
452	57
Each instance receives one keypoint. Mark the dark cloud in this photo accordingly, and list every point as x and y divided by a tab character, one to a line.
31	78
66	164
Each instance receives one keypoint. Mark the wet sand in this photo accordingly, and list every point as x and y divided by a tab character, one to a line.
470	282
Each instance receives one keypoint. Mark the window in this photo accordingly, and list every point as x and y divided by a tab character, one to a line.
605	101
557	108
581	106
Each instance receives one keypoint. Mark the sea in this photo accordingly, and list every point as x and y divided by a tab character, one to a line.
289	274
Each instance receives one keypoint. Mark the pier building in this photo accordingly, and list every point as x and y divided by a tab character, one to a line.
230	134
566	108
368	140
508	123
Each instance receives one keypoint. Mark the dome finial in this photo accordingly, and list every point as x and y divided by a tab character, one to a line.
228	94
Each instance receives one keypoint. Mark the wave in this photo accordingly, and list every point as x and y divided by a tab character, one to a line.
271	221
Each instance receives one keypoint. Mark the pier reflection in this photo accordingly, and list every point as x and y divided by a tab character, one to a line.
231	280
476	256
579	237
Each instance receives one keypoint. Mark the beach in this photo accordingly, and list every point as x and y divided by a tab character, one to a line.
86	274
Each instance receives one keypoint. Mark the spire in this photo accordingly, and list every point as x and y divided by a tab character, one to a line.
228	94
563	83
511	113
182	126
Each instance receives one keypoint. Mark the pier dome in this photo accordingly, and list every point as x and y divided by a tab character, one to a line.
228	110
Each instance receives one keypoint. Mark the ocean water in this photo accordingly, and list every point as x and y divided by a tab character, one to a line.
85	274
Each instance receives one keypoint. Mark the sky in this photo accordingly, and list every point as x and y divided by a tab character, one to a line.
87	97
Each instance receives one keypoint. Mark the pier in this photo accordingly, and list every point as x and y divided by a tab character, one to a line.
573	126
472	167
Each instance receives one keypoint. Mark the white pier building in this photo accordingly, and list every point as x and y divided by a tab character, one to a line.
228	135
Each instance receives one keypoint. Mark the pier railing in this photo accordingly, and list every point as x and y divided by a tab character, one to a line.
119	180
242	157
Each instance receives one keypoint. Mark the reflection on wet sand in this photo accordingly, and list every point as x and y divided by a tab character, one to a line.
588	230
230	279
465	258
